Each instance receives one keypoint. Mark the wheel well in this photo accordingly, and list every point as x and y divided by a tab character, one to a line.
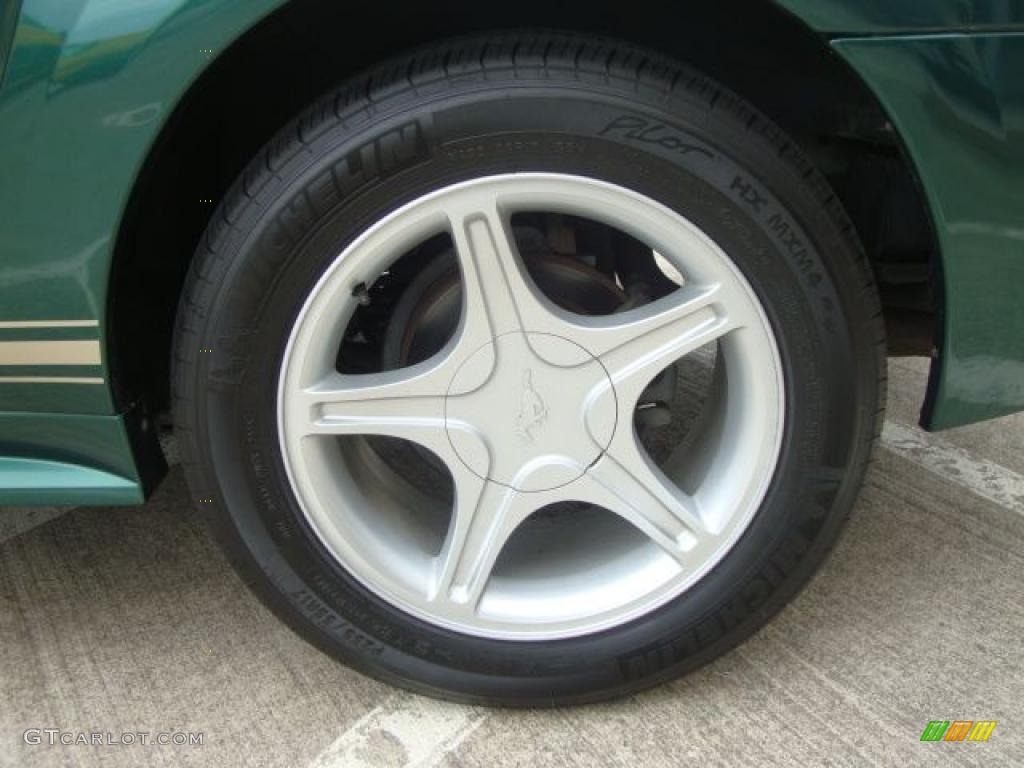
296	54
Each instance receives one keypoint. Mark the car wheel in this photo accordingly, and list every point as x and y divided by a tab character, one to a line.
528	370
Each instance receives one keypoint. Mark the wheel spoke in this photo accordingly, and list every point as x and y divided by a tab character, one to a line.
408	403
499	295
492	276
630	486
486	514
636	351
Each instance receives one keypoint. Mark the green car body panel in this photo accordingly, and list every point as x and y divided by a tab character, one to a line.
893	17
965	131
87	86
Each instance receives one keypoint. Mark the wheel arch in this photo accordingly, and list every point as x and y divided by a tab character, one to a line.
285	60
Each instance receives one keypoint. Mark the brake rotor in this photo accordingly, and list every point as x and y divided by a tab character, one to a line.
427	314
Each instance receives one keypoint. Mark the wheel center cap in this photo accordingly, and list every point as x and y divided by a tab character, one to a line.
530	411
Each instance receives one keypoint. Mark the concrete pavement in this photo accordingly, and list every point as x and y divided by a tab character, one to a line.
131	621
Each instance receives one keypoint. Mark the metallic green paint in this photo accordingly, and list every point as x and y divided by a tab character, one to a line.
8	20
59	458
958	103
89	85
87	89
888	17
37	482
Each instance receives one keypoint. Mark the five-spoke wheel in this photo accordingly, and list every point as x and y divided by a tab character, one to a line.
532	369
529	406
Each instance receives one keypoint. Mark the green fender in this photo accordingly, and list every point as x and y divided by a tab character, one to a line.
87	86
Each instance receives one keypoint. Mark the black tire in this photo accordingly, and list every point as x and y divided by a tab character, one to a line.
503	104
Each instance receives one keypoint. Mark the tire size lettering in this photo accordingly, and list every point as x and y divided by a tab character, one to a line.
794	246
316	611
748	194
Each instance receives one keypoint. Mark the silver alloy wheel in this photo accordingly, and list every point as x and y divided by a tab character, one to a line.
528	406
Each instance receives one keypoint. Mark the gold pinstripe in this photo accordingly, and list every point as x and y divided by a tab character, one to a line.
50	352
49	380
49	324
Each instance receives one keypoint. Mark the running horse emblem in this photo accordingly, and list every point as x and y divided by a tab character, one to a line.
532	410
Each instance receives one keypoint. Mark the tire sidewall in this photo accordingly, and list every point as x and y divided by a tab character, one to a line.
731	183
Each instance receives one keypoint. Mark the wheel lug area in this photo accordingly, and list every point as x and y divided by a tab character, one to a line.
530	411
